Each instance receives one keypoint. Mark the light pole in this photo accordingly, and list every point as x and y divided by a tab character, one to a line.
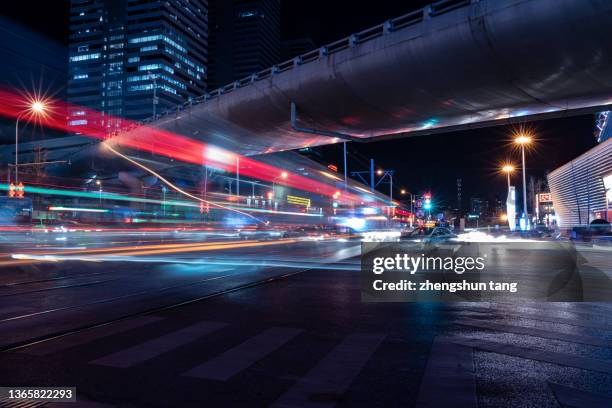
284	176
523	140
404	192
237	175
99	183
389	173
164	200
36	108
508	168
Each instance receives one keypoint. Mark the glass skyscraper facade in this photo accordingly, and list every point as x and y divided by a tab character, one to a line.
603	126
244	39
135	58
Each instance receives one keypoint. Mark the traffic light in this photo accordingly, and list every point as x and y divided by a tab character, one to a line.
427	203
19	190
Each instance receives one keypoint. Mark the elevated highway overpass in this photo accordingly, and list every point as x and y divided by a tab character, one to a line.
453	65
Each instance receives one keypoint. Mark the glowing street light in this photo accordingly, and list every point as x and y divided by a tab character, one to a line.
36	108
99	184
523	140
379	172
403	192
284	175
508	169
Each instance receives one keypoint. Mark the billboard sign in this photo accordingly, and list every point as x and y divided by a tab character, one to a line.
545	198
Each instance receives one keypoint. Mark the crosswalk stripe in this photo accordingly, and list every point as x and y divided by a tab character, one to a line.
160	345
20	403
87	336
535	332
334	373
553	357
244	355
449	379
573	397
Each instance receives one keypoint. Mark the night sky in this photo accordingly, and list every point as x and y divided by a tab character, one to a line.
422	163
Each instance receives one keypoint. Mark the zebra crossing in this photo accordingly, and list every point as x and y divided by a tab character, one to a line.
449	377
241	357
160	345
332	376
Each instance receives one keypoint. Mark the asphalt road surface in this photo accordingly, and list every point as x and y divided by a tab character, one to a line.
224	322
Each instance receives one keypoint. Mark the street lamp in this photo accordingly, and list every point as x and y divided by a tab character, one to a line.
508	169
36	107
523	140
99	184
284	176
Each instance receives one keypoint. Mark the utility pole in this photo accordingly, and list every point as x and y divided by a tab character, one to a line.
382	173
237	175
345	169
372	175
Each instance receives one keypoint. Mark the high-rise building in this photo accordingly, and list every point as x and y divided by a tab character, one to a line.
459	204
135	58
475	205
603	126
244	39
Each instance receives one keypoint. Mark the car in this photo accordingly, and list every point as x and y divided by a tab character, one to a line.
431	235
261	231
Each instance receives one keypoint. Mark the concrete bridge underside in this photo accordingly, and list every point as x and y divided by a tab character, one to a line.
477	63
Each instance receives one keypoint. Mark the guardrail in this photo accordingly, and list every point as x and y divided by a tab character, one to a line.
389	26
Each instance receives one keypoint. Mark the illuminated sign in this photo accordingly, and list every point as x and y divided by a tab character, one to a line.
298	200
545	198
333	167
608	186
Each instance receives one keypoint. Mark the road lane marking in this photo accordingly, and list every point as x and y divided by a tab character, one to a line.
57	255
553	357
76	339
449	379
535	332
158	346
574	397
68	286
334	374
241	357
13	309
121	297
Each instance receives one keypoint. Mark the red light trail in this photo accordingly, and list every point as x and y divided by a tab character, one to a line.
63	116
